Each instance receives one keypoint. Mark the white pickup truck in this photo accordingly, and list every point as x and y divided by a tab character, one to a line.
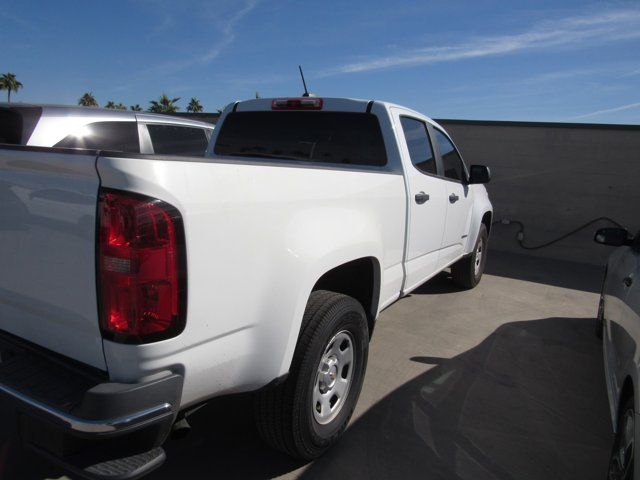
261	267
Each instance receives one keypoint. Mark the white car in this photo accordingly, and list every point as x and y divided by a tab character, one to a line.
62	126
619	325
261	267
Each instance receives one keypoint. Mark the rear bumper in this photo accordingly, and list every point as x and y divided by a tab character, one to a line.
92	427
66	410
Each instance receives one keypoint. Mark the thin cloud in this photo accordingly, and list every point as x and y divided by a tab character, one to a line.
629	106
224	28
224	37
563	75
603	27
228	34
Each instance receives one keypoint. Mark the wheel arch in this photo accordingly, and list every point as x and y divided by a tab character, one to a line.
360	279
356	272
482	213
486	220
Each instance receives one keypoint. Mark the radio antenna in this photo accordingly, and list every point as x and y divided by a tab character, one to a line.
306	92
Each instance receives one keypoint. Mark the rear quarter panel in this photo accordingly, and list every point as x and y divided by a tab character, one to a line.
258	238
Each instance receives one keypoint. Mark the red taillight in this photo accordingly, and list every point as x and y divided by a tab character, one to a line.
304	103
141	267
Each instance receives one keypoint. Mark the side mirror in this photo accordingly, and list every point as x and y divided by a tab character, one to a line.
479	174
615	237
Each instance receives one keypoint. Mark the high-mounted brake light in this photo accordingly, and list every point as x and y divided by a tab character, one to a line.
141	267
303	103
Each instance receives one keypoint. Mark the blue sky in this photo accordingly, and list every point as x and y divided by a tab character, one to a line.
543	60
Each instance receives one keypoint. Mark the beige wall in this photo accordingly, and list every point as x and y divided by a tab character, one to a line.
554	178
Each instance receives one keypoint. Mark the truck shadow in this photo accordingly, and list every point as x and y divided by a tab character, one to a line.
527	402
558	273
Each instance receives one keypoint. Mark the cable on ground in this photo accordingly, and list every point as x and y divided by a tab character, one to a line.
520	232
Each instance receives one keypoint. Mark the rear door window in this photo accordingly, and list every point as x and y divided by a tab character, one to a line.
118	136
178	140
326	137
419	145
451	159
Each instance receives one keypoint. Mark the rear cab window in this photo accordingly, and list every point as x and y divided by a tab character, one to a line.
178	140
118	136
343	138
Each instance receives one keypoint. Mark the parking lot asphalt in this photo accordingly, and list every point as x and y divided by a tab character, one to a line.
501	382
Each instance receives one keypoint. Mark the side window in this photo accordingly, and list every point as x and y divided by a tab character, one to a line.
178	140
10	127
119	136
420	151
451	160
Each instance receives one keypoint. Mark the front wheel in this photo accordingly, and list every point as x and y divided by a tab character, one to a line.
623	452
468	271
308	413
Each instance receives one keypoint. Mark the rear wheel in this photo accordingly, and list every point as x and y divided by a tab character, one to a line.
308	413
622	455
468	271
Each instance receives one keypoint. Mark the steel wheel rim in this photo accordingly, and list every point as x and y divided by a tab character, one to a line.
478	257
623	455
333	378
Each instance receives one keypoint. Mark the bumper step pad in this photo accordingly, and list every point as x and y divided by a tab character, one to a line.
44	381
127	468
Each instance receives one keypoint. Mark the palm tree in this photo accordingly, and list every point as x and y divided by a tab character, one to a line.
136	108
194	106
115	106
164	104
88	100
9	83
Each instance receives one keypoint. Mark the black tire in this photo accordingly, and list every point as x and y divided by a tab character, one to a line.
464	271
621	465
284	414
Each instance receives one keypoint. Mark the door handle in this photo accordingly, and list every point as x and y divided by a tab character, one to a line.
421	198
453	198
628	281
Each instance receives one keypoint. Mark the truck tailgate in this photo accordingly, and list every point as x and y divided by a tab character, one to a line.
47	250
